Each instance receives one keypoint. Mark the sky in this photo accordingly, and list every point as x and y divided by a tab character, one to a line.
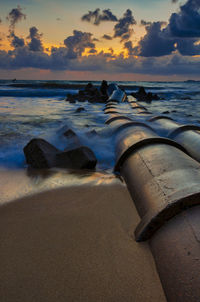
129	40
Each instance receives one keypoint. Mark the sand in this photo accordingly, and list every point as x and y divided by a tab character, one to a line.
75	244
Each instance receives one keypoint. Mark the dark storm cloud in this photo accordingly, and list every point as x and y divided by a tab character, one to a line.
35	44
186	23
96	17
77	43
156	42
188	47
14	16
123	28
181	34
107	37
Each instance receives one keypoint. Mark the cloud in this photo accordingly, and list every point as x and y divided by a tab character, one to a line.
156	42
129	46
96	17
145	23
14	16
35	44
16	41
188	47
77	43
123	28
59	59
107	37
186	23
181	34
174	1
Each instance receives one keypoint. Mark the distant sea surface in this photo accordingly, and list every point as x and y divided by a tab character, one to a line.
30	109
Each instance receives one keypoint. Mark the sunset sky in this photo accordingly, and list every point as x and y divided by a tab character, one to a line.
92	40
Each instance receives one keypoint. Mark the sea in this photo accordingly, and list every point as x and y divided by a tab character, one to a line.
38	109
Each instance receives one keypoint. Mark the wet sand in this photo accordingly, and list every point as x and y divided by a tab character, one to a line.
74	244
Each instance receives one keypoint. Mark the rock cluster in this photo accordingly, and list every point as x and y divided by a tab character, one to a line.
143	96
90	93
40	154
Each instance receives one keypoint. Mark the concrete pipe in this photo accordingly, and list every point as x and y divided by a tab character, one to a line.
164	183
118	96
109	107
115	117
186	135
111	88
111	111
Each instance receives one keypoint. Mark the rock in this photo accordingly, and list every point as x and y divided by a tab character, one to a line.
72	139
90	94
89	87
80	109
40	154
69	133
92	133
165	112
104	87
142	96
70	98
78	158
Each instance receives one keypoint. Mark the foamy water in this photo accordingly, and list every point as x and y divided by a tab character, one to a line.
31	109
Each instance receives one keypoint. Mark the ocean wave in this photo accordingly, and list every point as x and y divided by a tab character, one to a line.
36	92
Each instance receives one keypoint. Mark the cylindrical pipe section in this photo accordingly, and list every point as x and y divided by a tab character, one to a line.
118	96
186	135
164	183
111	88
176	250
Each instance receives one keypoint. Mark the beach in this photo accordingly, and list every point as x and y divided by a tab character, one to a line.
73	243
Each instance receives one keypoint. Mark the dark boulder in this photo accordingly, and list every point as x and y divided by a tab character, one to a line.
71	99
40	154
89	86
104	87
80	109
142	96
78	158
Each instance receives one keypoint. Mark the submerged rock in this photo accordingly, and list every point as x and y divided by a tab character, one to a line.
91	133
72	139
80	109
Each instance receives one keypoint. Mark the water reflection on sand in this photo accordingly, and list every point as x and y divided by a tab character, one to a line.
18	183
